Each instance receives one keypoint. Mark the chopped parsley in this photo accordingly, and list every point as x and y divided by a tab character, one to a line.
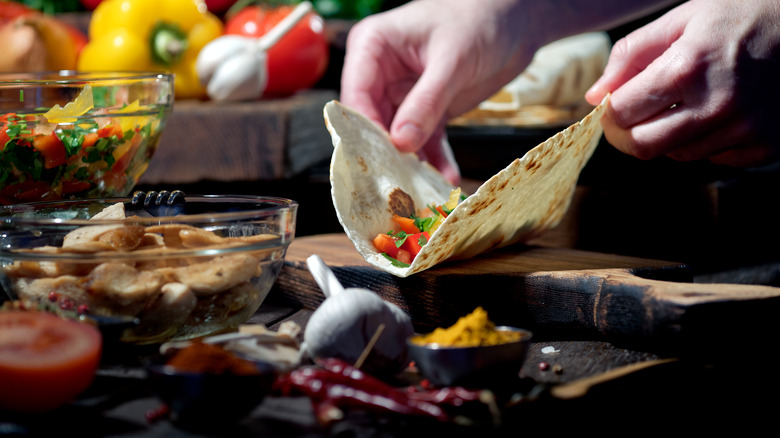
395	262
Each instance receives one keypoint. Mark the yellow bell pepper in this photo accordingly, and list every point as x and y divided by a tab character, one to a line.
151	35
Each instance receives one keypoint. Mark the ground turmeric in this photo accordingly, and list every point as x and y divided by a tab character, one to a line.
200	357
472	330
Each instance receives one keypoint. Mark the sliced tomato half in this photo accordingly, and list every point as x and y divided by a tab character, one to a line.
45	360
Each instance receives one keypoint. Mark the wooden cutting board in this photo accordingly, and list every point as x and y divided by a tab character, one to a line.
552	290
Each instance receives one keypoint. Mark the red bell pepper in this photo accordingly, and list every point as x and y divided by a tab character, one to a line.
406	223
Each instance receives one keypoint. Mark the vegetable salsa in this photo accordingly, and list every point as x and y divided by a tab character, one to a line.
75	151
402	244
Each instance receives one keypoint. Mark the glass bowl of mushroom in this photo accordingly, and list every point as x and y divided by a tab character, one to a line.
178	267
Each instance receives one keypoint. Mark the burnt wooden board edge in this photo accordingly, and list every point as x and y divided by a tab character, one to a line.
645	300
442	294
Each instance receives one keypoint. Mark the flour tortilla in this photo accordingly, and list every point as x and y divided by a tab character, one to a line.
558	76
527	198
550	92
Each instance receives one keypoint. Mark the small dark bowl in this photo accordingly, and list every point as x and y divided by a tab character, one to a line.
483	366
209	400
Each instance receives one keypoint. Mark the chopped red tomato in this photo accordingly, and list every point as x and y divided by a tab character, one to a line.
26	191
52	150
3	137
408	250
45	360
404	256
70	187
415	242
386	243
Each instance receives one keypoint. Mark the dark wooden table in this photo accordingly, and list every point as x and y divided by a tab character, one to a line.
573	381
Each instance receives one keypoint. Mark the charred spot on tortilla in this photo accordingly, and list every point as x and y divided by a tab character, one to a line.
362	164
483	204
401	203
532	166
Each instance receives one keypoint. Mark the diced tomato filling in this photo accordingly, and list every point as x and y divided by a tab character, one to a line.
413	243
405	242
411	246
386	243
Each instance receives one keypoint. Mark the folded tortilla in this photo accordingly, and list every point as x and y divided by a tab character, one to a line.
527	198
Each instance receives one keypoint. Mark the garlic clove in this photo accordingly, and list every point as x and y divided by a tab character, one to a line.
323	275
214	54
242	77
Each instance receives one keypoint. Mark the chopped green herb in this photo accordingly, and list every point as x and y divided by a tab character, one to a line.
401	236
424	223
395	262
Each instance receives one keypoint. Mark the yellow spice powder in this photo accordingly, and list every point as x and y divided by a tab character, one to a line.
472	330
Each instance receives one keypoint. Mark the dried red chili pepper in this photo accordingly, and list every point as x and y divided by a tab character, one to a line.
339	384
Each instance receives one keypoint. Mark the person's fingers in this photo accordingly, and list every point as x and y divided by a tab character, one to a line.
678	136
438	153
358	84
717	140
660	135
631	57
424	107
750	155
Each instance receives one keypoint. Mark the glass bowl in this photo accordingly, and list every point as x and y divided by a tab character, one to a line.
189	269
68	135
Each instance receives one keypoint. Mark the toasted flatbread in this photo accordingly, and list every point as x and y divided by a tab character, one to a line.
527	198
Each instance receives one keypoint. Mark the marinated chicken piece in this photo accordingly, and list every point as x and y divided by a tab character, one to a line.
151	240
85	239
217	274
95	238
29	269
168	311
400	203
126	238
170	233
124	284
199	237
38	290
113	212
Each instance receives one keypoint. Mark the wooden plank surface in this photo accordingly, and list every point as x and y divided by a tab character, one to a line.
618	297
267	139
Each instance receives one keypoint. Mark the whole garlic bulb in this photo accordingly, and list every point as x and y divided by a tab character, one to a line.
235	67
232	67
344	324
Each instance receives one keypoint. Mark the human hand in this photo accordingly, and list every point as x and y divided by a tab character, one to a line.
414	67
698	83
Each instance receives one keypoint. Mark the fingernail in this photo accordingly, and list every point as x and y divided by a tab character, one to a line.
408	136
594	94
